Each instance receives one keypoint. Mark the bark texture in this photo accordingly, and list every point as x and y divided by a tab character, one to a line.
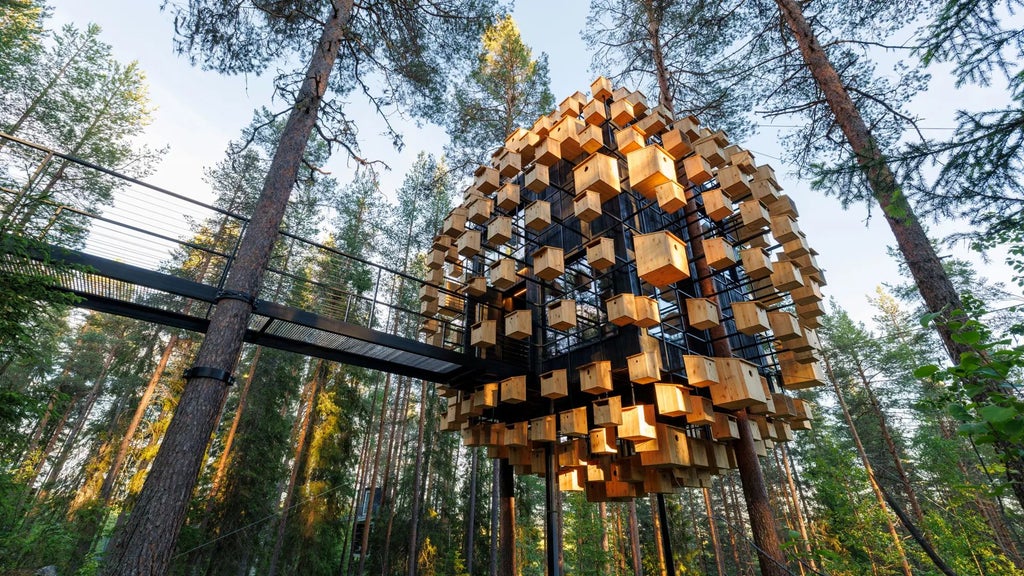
144	544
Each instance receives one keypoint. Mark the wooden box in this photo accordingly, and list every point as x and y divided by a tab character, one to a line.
503	274
485	396
701	371
638	423
732	182
809	293
702	411
671	196
547	152
537	215
621	309
517	434
469	243
725	427
786	276
572	479
608	411
719	253
756	263
639	102
428	307
784	228
648	167
508	196
591	139
519	324
647	313
484	334
697	169
601	253
644	368
554	384
670	400
739	385
548	263
621	112
660	258
598	172
750	317
476	286
709	149
769	406
601	89
566	132
798	376
596	377
674	449
676	143
572	106
802	409
717	205
543	429
455	222
754	214
499	230
594	113
509	164
628	140
487	179
743	160
783	206
764	192
513	390
784	325
573	422
429	326
427	293
602	441
701	313
797	248
587	205
562	314
651	125
479	210
536	179
784	407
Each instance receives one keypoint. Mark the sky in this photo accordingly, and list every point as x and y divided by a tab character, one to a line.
198	113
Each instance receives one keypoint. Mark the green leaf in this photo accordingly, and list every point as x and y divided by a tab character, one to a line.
926	371
997	414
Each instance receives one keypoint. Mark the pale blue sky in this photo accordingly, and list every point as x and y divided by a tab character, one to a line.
199	112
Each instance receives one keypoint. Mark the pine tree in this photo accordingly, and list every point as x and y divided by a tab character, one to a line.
506	89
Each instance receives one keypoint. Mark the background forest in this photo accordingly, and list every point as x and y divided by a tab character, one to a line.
913	464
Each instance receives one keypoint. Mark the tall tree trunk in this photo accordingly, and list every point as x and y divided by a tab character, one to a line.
312	395
713	532
932	282
144	544
795	498
879	497
606	562
417	484
372	486
658	55
634	539
507	517
495	480
243	395
76	429
107	490
471	512
659	546
890	445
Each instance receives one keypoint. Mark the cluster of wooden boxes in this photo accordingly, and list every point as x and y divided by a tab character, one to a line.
607	444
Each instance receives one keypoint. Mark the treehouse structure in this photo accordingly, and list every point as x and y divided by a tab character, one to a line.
599	253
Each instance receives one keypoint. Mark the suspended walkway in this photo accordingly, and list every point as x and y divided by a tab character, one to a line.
162	257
